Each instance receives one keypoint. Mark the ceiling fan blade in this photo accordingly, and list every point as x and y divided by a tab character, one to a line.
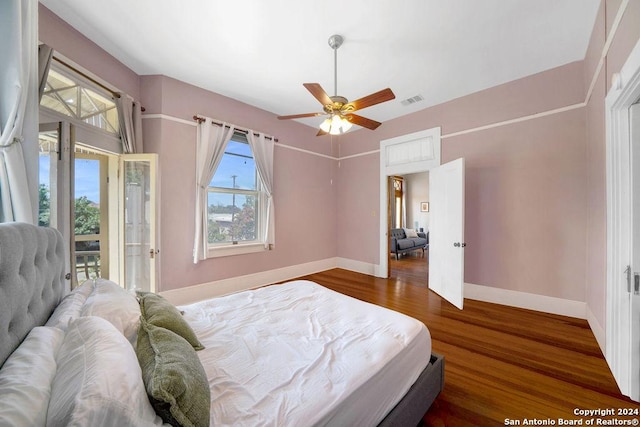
321	132
319	93
362	121
369	100
299	116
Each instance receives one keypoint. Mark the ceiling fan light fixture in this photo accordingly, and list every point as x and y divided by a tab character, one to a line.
346	125
335	125
326	125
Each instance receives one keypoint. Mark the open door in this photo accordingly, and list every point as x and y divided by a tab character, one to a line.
138	233
446	231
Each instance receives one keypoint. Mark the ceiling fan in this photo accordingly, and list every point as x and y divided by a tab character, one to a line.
338	108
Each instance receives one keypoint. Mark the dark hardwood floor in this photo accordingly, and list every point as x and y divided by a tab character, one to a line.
504	365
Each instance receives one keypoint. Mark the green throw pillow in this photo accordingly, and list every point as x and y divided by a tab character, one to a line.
160	312
173	376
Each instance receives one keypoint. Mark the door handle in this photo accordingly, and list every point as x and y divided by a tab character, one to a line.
459	245
153	252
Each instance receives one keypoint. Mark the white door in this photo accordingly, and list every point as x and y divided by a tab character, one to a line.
138	220
634	279
446	231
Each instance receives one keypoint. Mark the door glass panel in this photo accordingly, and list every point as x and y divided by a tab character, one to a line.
138	212
91	237
47	177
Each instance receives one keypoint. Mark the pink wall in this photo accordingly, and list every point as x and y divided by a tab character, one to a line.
525	183
525	205
304	194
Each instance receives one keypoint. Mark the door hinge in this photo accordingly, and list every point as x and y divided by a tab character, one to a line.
627	271
636	284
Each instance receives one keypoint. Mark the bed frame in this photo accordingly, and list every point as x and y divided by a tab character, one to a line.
32	283
410	410
31	280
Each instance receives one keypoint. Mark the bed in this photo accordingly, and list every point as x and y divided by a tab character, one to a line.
287	354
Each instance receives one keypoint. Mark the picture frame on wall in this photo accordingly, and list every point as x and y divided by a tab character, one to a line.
424	207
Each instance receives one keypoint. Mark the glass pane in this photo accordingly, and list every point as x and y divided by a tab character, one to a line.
74	99
54	103
87	196
87	260
237	169
47	178
232	217
137	187
87	219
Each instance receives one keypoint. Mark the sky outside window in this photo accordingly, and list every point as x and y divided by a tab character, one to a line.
87	177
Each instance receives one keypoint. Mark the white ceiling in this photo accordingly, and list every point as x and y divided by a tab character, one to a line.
260	52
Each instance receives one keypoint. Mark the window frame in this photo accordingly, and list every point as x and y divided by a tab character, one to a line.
82	87
241	247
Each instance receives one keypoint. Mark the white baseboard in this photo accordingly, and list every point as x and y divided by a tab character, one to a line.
218	288
357	266
598	330
526	300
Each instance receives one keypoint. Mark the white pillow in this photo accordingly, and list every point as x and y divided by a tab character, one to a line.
410	233
98	382
113	303
70	306
26	378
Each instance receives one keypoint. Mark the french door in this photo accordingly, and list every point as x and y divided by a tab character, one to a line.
103	203
138	221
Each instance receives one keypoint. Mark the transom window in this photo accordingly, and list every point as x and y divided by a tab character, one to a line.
73	98
235	201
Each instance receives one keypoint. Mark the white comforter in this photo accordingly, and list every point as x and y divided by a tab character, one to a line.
299	354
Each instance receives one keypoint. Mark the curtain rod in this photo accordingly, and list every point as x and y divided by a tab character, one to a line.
91	79
199	119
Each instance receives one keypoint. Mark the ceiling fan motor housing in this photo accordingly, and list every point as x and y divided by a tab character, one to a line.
337	103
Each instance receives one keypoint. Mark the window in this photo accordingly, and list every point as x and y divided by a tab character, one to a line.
236	203
69	95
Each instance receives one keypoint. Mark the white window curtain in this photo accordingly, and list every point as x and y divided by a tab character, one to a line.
130	119
262	148
18	90
211	141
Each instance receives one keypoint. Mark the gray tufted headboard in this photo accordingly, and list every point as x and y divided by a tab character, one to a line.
31	280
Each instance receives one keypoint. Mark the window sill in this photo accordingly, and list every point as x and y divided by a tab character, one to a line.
230	250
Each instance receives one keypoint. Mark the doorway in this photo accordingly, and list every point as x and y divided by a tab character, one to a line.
90	215
407	154
409	208
420	152
103	203
74	198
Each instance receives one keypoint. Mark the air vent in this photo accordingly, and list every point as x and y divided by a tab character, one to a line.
412	100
